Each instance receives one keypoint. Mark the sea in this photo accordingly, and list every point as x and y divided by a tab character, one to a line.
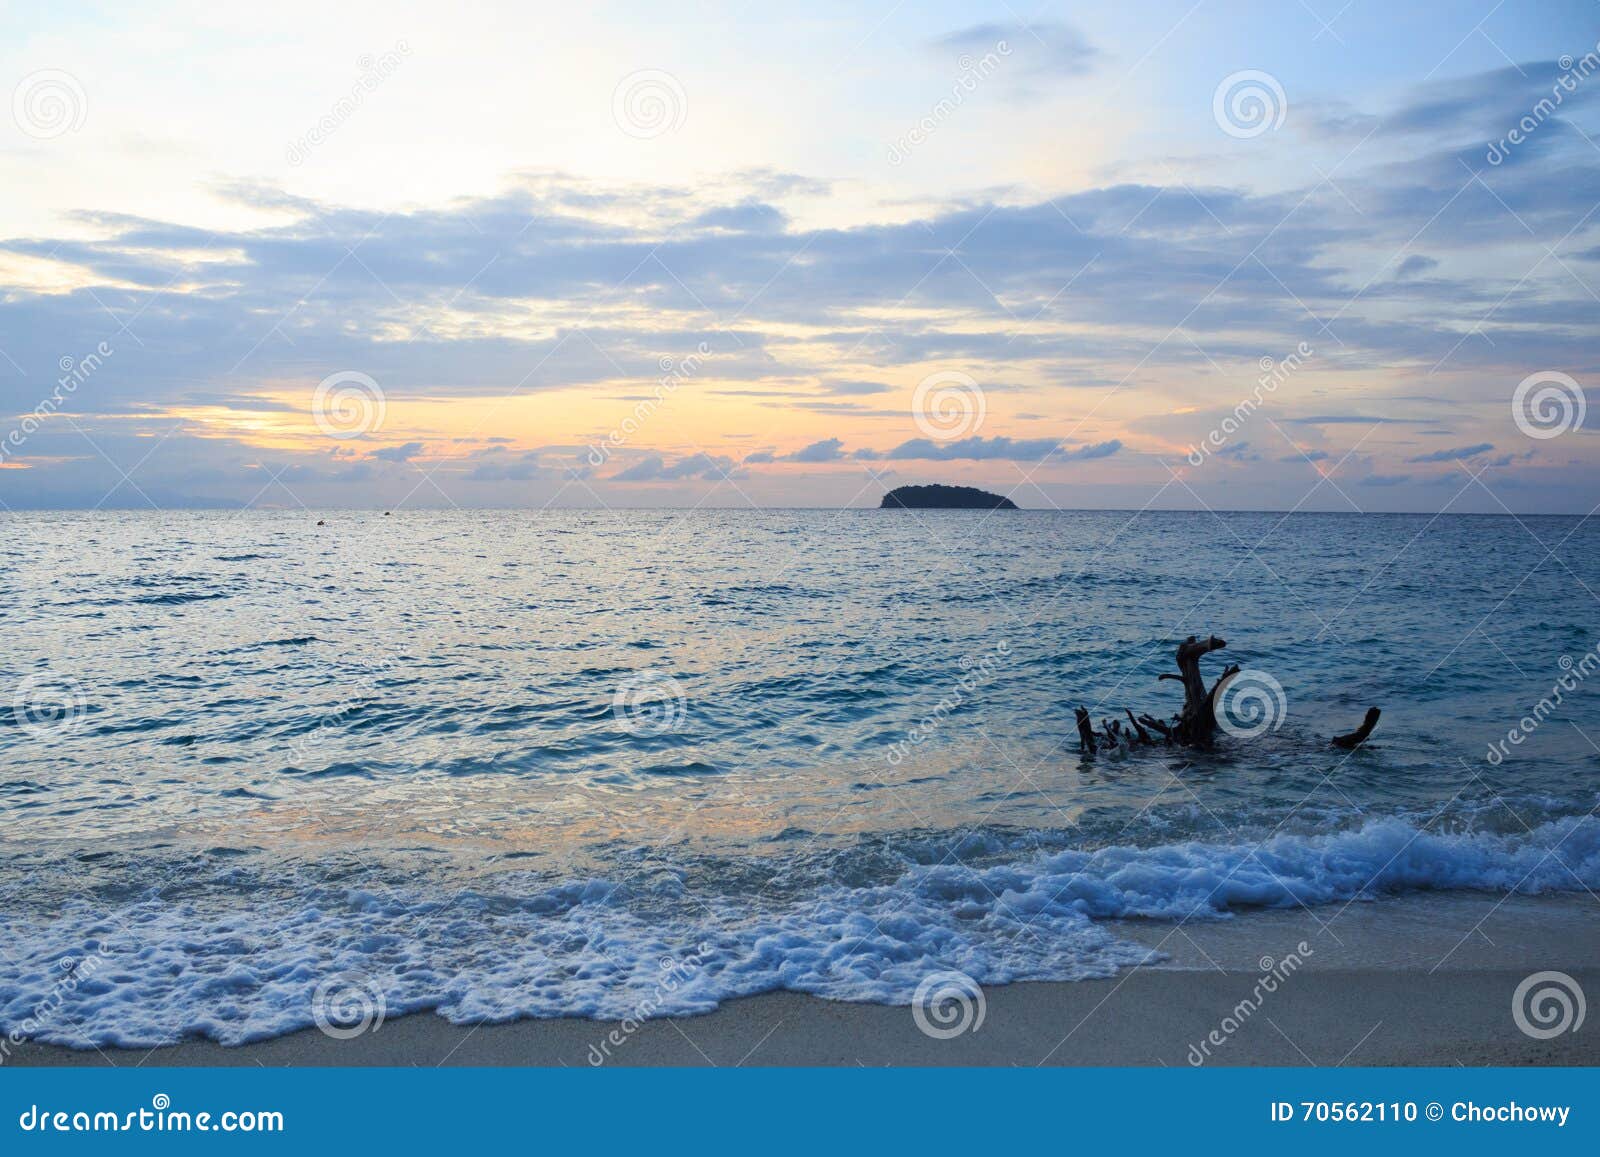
271	769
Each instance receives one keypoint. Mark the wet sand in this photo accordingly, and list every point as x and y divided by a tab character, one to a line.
1418	982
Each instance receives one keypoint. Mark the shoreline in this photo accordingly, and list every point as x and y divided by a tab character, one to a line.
1146	1017
1420	981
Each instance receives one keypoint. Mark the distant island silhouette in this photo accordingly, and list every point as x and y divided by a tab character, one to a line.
937	497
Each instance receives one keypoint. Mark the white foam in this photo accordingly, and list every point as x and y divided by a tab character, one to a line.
170	970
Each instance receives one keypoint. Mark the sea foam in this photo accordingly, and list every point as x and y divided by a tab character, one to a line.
159	970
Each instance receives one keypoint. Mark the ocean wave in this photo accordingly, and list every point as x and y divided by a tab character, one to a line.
172	599
246	969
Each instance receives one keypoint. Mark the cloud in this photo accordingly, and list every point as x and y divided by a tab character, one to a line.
403	453
1385	479
654	468
497	465
1508	459
555	282
1035	50
827	450
1306	456
235	402
536	250
746	217
1090	452
976	448
1457	454
854	389
849	409
1346	420
1482	106
645	470
1415	266
973	449
980	449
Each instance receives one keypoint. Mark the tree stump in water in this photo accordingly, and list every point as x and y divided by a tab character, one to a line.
1196	724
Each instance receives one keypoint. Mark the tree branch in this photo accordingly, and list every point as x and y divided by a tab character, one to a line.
1197	724
1085	730
1359	735
1156	724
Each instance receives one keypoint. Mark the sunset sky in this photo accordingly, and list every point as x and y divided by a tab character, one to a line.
395	255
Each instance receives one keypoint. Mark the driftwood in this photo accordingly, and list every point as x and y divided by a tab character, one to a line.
1356	737
1155	724
1085	730
1196	724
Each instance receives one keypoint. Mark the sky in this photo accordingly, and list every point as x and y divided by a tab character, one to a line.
1299	255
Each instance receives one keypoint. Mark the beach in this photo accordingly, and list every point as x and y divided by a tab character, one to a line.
1426	981
770	807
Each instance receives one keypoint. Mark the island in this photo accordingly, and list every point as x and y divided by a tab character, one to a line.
938	497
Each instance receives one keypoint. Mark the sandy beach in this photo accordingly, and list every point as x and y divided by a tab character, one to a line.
1418	982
